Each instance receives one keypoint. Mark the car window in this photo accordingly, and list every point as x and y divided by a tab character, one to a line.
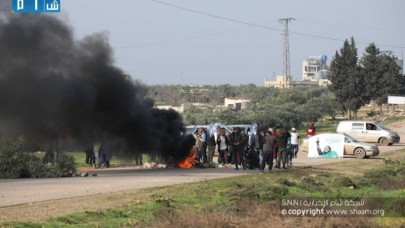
351	139
358	126
380	126
371	127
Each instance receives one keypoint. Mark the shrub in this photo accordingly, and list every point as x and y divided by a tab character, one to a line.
33	168
311	184
11	157
258	191
286	182
15	163
66	165
344	181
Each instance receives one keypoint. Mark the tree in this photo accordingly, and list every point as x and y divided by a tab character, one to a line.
371	69
391	81
347	78
381	74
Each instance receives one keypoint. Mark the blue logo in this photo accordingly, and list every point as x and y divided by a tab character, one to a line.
36	6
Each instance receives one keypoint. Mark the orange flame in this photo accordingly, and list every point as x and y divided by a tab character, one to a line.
189	161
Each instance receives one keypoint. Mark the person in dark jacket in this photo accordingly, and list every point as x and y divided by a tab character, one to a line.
236	140
138	158
282	136
90	157
268	151
252	159
211	144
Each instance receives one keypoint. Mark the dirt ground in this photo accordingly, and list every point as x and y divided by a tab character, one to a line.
40	199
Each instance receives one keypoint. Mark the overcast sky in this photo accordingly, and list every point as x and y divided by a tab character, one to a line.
161	44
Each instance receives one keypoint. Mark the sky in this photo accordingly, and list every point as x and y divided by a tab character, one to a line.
231	41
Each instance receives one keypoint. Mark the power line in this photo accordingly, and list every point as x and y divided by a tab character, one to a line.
183	39
216	16
352	26
263	26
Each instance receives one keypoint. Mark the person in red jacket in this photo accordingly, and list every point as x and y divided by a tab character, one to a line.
310	129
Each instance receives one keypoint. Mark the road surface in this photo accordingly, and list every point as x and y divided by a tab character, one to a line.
26	191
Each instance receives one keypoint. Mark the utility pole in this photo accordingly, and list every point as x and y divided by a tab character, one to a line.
286	52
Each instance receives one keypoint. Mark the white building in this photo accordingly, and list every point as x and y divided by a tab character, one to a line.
315	68
282	82
235	103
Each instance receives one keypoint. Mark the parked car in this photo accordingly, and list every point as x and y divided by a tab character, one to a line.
190	129
243	127
368	131
352	147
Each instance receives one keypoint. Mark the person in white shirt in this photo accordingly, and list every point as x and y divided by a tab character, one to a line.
294	141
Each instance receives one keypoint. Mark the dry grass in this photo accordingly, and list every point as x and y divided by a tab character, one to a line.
251	214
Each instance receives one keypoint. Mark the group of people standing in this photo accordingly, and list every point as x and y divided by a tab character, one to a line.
248	149
279	145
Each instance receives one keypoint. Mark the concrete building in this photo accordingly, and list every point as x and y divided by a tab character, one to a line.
235	103
282	82
315	72
315	68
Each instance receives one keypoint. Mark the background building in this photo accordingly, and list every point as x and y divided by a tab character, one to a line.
315	68
236	103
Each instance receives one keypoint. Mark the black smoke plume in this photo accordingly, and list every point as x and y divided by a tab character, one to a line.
53	87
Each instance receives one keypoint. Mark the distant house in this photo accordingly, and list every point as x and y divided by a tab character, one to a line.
315	68
282	82
235	103
315	72
179	109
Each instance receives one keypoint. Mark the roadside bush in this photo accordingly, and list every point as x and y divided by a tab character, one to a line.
344	181
33	168
11	158
312	184
375	177
15	163
286	182
66	165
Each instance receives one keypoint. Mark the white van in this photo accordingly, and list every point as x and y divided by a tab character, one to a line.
368	131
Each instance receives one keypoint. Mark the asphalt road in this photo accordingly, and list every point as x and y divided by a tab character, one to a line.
26	191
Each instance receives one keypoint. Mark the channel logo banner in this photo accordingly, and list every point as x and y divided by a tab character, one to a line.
36	6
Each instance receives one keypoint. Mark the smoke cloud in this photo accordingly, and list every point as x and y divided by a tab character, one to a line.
53	87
